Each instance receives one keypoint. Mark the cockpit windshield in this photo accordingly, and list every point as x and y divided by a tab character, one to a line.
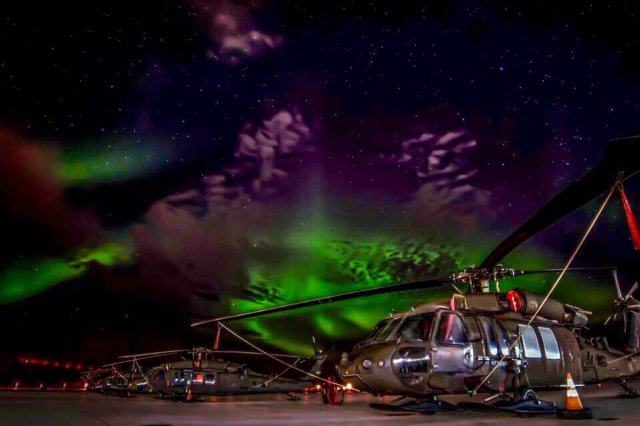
383	330
416	327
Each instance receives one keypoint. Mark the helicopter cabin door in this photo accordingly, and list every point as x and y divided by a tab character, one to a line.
492	351
545	366
452	351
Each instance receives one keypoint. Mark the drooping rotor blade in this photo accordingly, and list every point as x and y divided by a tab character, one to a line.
253	353
87	374
141	358
417	285
138	356
621	159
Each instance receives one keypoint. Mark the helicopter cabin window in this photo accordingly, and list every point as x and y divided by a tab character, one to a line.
492	342
503	340
176	377
160	375
210	379
530	341
198	378
549	342
451	330
416	327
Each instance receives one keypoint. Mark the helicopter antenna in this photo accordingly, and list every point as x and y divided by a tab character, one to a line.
557	281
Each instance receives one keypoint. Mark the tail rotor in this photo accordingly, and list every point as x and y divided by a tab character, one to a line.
627	307
623	303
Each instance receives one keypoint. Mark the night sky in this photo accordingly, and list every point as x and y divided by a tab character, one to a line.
164	161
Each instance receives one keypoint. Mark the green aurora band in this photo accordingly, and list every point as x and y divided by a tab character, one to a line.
111	160
24	278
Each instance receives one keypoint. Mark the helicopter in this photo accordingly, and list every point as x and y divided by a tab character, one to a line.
205	374
482	340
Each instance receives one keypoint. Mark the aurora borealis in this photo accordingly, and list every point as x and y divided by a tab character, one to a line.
165	162
31	276
95	162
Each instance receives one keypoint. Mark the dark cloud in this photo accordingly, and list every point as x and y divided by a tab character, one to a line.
37	219
232	28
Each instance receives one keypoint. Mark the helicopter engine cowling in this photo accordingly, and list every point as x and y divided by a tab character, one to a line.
525	303
552	309
575	317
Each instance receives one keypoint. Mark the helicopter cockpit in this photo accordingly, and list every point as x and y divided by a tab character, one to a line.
416	327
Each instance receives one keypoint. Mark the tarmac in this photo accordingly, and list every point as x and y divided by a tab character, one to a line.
76	408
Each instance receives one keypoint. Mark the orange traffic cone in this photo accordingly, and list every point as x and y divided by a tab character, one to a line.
189	397
574	408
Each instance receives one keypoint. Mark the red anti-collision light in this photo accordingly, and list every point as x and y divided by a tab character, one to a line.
515	300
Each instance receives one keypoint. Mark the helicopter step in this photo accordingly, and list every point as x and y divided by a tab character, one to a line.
525	403
430	406
528	407
629	392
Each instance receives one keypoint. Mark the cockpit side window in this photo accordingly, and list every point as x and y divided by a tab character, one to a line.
503	339
416	327
451	330
530	341
550	344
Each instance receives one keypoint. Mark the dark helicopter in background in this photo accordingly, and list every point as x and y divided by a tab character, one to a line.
509	344
198	372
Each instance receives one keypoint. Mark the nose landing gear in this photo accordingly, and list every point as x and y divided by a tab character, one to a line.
332	394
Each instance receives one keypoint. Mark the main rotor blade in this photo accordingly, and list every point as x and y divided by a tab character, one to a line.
556	270
621	156
417	285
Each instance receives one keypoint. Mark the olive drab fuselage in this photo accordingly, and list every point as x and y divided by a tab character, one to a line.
436	349
212	378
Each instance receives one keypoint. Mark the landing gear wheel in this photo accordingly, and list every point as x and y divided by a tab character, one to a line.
332	394
293	397
524	393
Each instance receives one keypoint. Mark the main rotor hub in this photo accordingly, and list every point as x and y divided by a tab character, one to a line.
478	278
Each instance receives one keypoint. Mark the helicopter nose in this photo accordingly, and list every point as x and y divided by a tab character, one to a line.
370	369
